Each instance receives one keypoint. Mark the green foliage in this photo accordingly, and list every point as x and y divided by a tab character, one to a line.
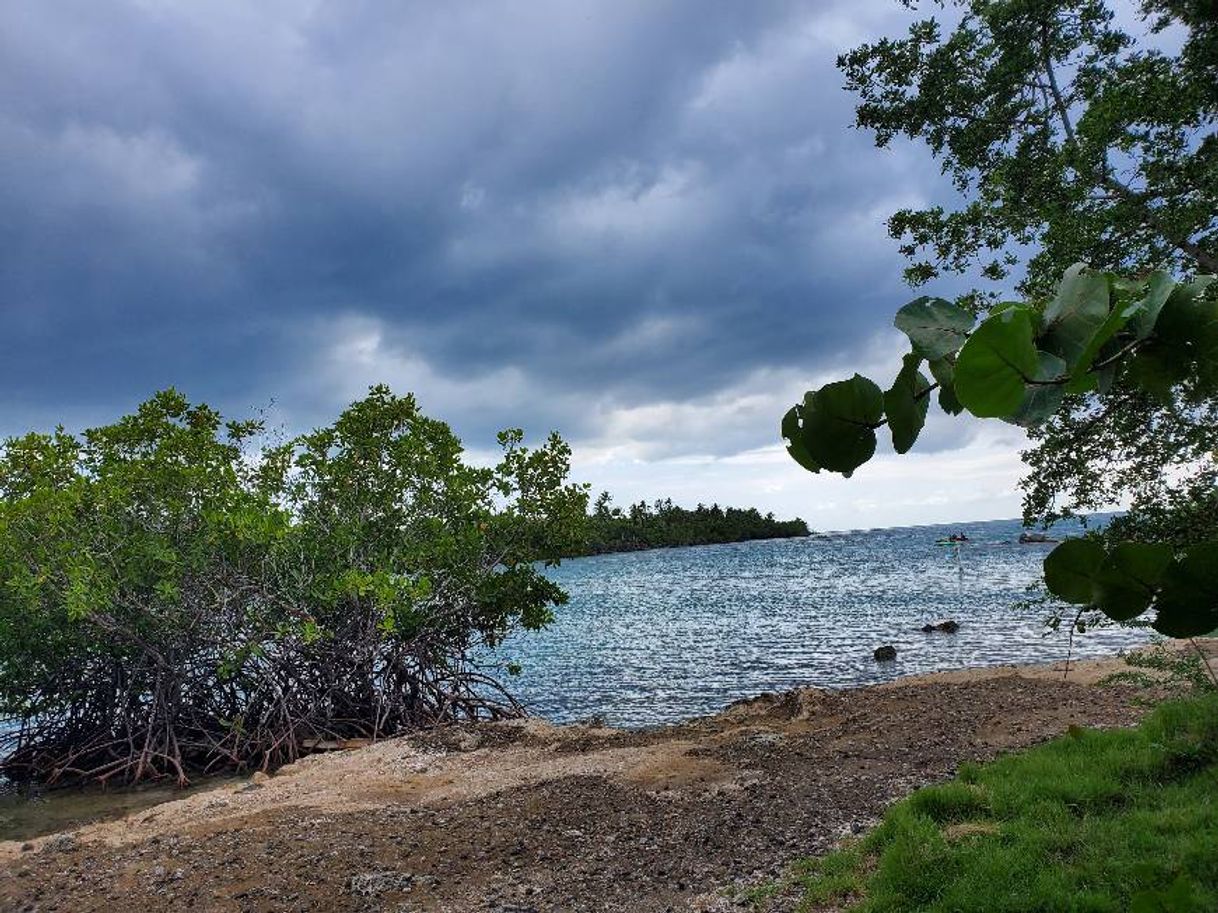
998	365
1022	360
175	598
935	327
905	404
665	525
1072	136
1070	569
1098	821
838	422
1126	581
1166	665
1019	364
1134	576
1188	595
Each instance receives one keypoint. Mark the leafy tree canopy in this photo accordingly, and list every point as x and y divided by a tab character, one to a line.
175	598
1071	138
1067	134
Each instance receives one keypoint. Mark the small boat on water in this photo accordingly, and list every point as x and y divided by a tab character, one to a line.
953	539
1033	538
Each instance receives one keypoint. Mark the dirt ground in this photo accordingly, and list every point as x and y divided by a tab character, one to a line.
525	817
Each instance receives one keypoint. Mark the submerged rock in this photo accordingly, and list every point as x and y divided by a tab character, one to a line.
949	626
885	654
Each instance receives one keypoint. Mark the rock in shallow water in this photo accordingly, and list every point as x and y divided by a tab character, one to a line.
885	654
947	627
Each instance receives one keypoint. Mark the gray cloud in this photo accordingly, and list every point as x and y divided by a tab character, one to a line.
548	214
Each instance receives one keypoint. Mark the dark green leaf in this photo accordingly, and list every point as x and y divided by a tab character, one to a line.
1158	288
1188	598
1113	324
1129	577
839	422
934	326
1039	402
1074	317
1156	369
996	364
906	404
943	370
793	433
948	401
1070	570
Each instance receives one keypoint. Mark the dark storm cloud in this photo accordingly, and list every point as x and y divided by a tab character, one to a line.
535	207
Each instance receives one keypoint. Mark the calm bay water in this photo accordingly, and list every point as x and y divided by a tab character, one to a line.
665	635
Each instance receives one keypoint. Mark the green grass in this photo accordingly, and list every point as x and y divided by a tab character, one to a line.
1120	821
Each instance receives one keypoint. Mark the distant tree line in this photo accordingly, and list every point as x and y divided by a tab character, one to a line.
664	524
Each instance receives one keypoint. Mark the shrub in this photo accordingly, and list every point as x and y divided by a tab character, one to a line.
176	598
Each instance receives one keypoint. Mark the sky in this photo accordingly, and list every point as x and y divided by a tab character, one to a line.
647	225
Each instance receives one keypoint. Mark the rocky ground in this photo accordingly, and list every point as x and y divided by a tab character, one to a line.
525	817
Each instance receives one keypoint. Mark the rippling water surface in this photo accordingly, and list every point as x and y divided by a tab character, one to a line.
664	635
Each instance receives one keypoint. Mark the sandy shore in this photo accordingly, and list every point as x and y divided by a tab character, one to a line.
525	816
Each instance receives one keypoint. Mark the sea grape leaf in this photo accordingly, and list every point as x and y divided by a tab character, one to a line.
944	370
949	402
906	403
1158	288
1185	339
935	327
1156	369
995	365
1104	378
1070	570
1041	400
1082	383
839	422
793	433
1188	598
1188	322
1076	315
1127	581
1039	403
1120	315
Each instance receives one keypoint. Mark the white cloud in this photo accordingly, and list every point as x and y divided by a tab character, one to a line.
723	447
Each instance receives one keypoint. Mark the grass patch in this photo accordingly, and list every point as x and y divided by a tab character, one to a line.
1121	821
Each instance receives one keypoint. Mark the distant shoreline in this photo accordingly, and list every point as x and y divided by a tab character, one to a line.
631	548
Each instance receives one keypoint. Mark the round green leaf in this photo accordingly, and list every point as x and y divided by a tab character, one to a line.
1038	404
1070	570
793	434
839	422
1156	369
1188	599
1158	288
1077	315
1127	581
934	326
948	401
944	371
995	365
906	404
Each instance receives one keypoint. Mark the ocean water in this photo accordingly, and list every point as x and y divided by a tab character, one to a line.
665	635
662	636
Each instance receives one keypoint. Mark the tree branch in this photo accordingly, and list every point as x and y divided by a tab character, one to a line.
1204	259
